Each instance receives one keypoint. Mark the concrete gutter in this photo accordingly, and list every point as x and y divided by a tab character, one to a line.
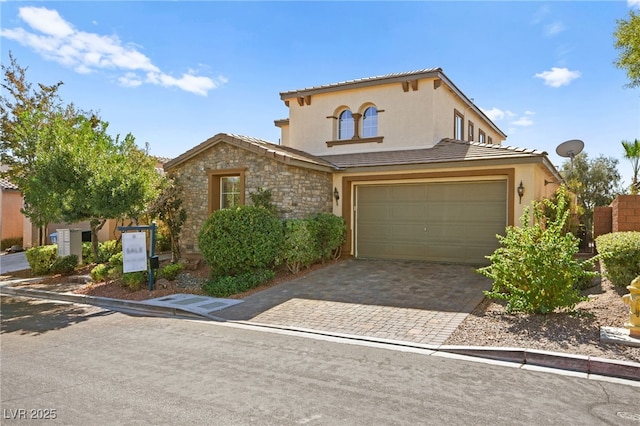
588	365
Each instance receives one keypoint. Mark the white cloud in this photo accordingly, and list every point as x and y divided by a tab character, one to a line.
57	40
496	114
554	28
558	76
523	122
633	3
46	21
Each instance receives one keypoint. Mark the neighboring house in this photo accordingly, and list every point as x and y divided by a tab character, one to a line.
413	166
11	219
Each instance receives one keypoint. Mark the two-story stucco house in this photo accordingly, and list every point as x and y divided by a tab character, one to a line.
413	166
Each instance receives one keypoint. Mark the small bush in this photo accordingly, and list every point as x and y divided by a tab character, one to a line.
100	272
10	242
620	253
300	248
171	271
134	280
225	286
41	258
87	253
534	270
106	249
331	234
239	240
64	264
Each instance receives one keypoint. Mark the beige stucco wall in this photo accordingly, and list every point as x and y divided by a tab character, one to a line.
406	120
296	192
11	220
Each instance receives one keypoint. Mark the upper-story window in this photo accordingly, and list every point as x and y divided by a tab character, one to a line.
490	141
370	122
470	133
458	125
481	136
345	125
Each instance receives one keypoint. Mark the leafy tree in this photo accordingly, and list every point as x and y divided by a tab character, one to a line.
627	37
596	182
632	152
168	208
25	113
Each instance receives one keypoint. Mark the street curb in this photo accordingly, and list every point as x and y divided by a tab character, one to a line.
569	362
103	302
578	363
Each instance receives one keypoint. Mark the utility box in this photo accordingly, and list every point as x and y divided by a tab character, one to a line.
70	242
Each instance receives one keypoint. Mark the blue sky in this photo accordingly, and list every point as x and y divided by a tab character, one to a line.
175	73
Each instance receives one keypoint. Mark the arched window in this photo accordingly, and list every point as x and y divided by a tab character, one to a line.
345	125
370	123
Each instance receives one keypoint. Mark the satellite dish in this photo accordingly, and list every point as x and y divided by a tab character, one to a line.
569	149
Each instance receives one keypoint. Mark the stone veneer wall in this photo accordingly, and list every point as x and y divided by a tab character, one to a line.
297	192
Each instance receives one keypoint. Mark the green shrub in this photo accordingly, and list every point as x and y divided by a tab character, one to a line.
171	271
41	258
10	242
106	249
100	272
87	253
64	264
534	270
262	198
116	266
300	247
238	240
331	234
620	253
134	280
225	286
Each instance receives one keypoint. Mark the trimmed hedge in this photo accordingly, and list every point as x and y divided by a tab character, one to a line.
300	248
229	285
620	253
41	258
307	241
240	240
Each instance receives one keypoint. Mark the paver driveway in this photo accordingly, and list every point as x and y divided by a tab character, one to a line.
398	300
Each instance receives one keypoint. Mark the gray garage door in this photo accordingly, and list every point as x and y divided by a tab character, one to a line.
444	222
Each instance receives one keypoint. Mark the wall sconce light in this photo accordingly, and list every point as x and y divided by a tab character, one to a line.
520	191
336	195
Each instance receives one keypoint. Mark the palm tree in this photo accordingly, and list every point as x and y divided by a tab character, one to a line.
632	152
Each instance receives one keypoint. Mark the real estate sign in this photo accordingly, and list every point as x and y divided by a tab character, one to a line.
134	251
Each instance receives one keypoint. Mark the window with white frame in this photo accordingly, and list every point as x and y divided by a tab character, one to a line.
345	125
229	191
370	122
458	125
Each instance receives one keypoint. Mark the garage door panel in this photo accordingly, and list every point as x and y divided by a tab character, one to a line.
461	218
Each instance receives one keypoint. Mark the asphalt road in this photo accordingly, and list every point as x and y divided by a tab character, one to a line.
86	366
13	262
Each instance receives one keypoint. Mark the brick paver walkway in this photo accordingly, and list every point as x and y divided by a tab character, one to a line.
399	300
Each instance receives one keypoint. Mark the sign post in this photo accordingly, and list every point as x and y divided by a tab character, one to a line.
134	250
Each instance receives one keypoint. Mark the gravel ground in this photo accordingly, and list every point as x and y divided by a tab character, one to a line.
575	333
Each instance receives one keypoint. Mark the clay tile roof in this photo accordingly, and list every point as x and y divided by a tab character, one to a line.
278	152
6	184
447	150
